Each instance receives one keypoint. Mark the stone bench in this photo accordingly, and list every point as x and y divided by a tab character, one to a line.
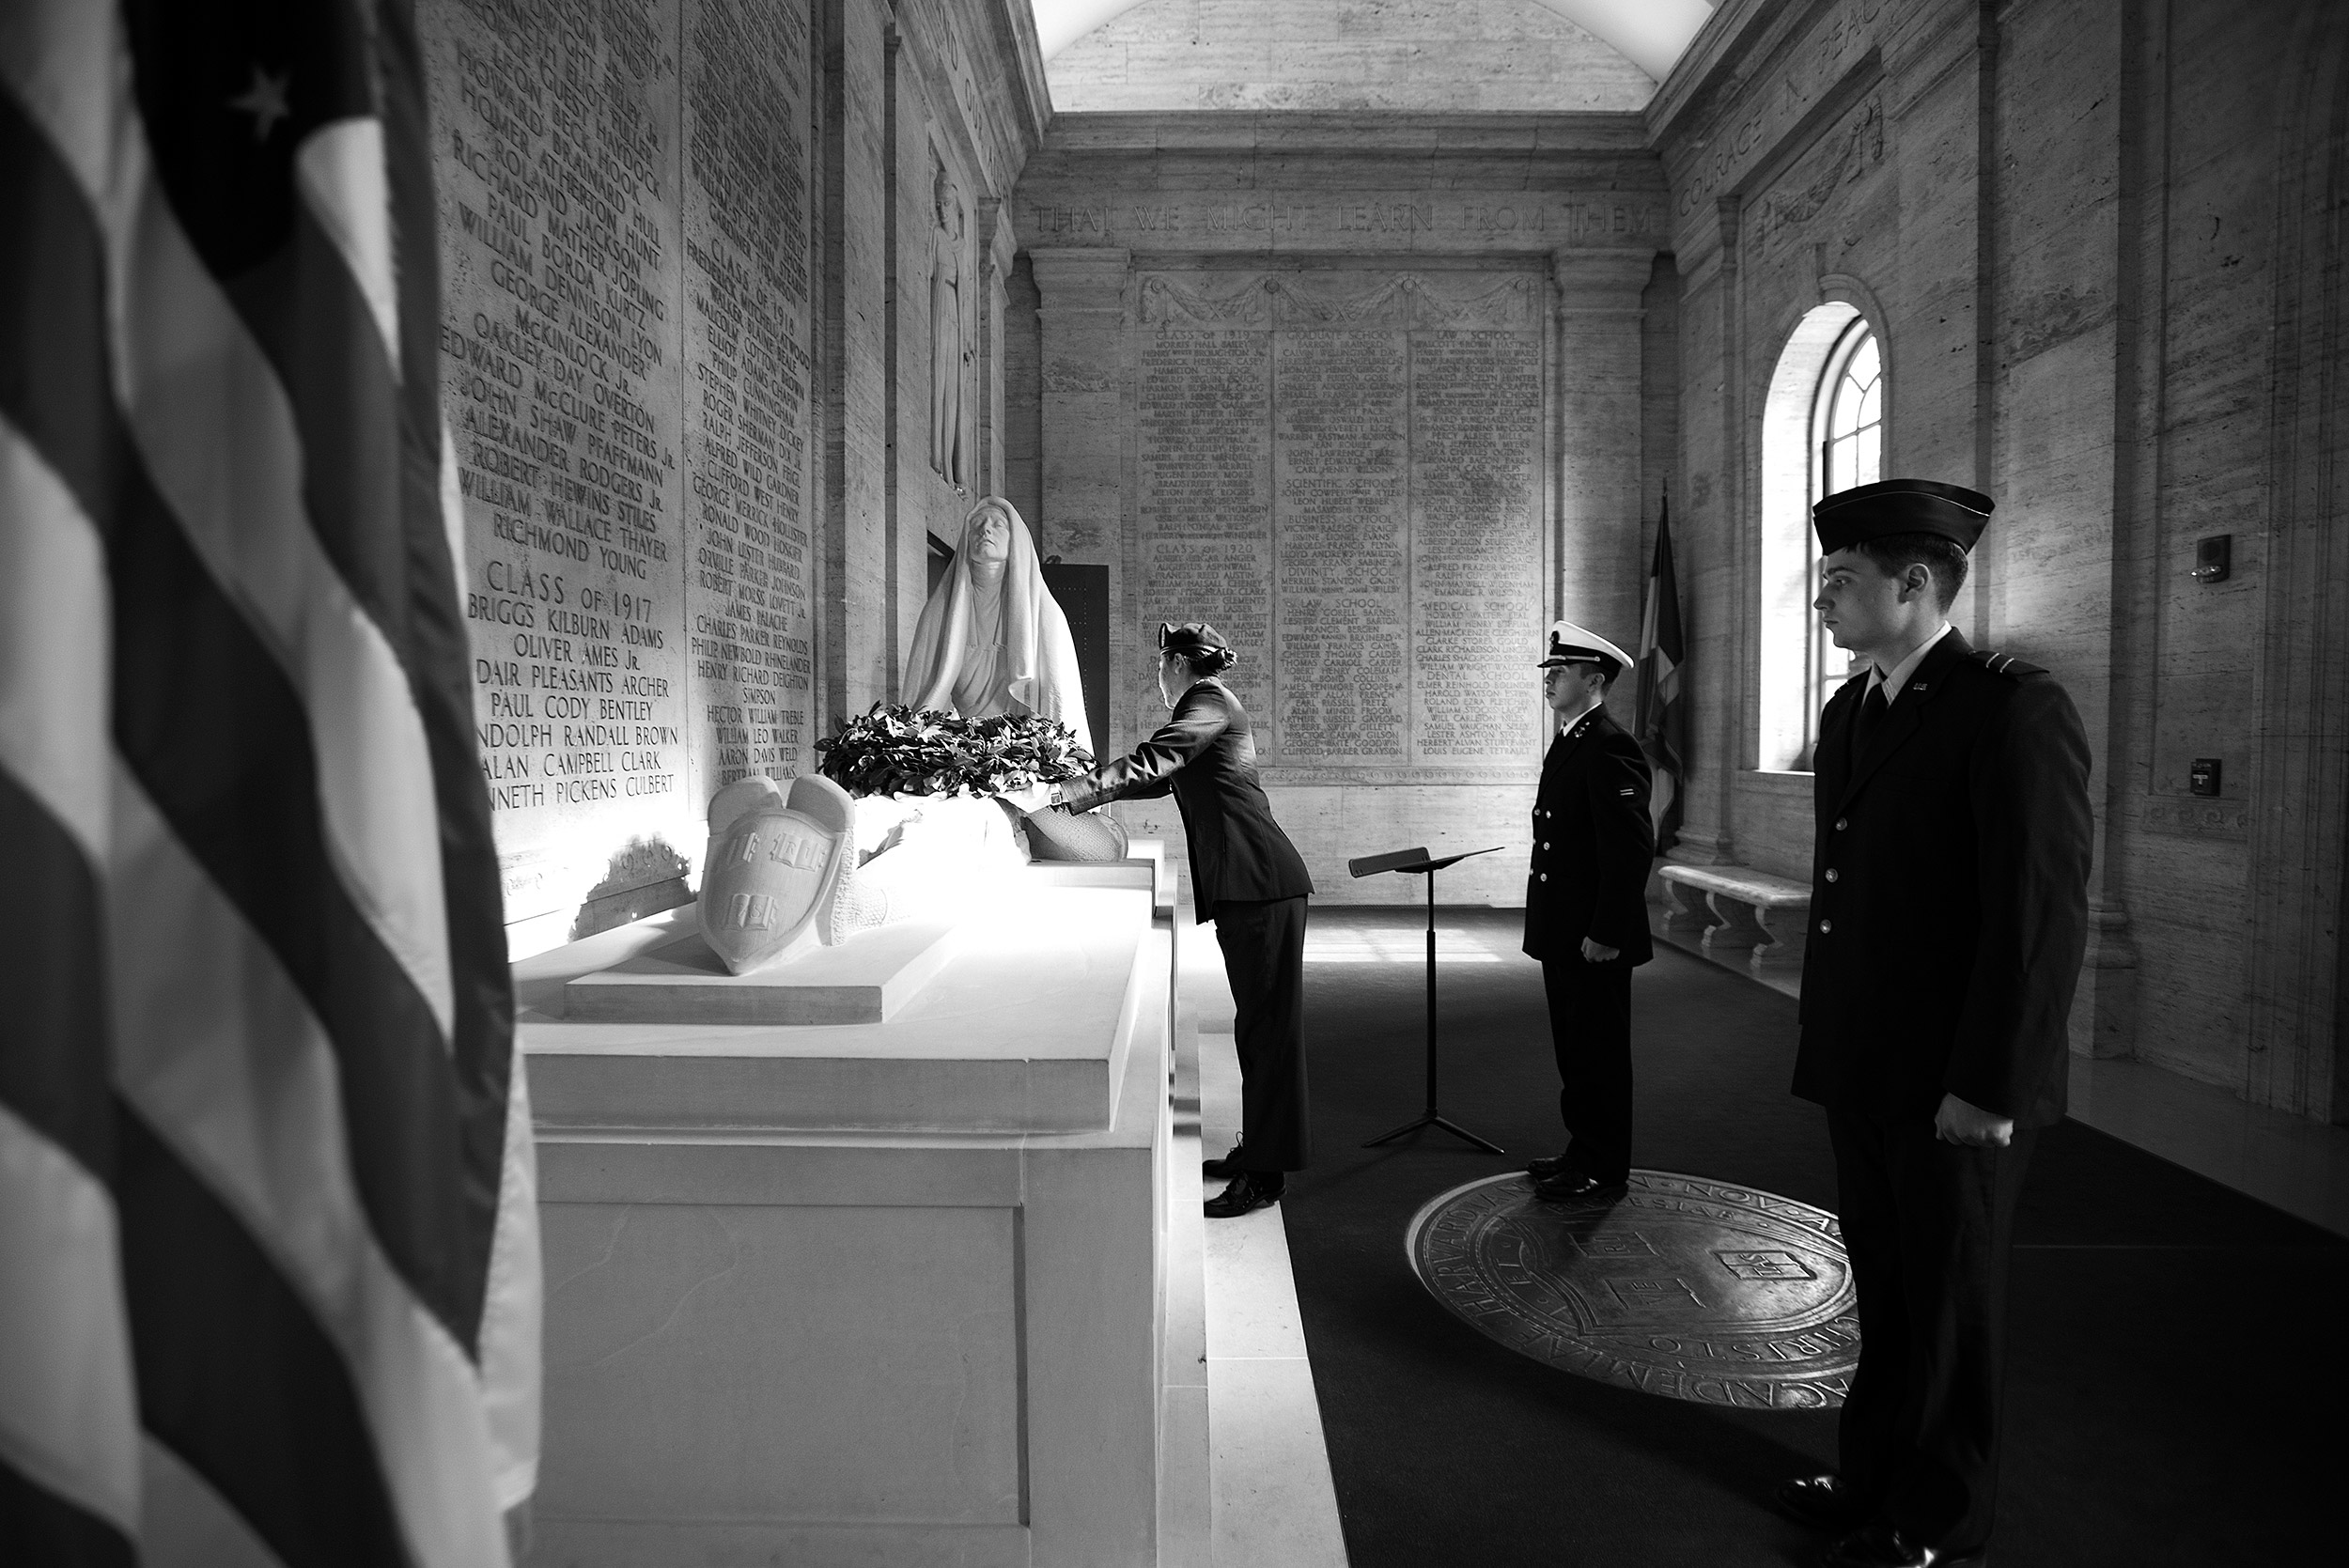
1741	909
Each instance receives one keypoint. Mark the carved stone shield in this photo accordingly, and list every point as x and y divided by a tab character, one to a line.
771	863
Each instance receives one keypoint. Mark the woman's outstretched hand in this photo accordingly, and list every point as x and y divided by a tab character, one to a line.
1035	797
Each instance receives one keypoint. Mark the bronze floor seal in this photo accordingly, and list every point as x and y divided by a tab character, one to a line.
1688	1288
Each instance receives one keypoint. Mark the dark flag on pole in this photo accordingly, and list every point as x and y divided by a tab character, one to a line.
269	1258
1663	723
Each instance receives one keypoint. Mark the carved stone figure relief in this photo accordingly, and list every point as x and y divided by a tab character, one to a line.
950	351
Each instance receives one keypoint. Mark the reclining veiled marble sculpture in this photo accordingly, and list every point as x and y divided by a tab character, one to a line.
785	873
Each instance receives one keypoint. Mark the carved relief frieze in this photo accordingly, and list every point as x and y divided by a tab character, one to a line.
1241	301
1768	104
1846	154
1404	301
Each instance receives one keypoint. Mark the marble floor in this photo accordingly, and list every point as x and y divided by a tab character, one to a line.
1272	1502
2299	1166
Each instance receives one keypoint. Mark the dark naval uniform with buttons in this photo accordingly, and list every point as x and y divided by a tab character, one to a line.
1949	915
1592	845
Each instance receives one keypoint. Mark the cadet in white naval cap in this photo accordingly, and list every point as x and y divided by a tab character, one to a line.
1586	913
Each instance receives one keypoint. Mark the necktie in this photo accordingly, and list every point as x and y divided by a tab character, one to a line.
1872	712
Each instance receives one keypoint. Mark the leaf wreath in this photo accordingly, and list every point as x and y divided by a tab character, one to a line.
894	750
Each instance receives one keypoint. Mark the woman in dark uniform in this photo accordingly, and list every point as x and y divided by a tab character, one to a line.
1247	878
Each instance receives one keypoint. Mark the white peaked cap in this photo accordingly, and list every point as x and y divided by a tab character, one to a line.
1570	642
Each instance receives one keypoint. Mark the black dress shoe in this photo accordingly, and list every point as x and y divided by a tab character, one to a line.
1572	1189
1250	1191
1223	1167
1548	1166
1880	1545
1821	1502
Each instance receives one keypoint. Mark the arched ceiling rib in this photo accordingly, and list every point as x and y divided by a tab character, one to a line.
1652	34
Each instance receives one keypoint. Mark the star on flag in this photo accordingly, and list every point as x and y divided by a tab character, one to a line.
265	100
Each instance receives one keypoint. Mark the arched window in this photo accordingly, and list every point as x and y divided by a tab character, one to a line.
1848	422
1822	431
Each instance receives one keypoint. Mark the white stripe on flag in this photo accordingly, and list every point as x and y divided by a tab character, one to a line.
64	61
1665	682
56	646
512	1314
339	170
453	511
219	437
188	1524
67	1417
220	1054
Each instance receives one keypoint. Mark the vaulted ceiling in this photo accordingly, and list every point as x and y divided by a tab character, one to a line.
1651	34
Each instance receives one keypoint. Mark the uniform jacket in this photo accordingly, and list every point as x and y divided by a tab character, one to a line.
1205	755
1948	897
1592	845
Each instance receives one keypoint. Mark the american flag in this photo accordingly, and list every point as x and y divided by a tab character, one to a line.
269	1263
1663	723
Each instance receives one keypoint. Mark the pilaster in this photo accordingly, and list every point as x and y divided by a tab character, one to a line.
998	246
1084	418
1594	432
1720	643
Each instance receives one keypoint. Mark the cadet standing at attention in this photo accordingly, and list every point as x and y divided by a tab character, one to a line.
1949	913
1586	915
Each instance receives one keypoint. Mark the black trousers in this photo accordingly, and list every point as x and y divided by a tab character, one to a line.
1928	1227
1264	958
1590	1032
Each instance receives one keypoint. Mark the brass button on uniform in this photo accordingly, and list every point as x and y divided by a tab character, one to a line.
1831	870
1545	875
1842	823
1544	844
1825	926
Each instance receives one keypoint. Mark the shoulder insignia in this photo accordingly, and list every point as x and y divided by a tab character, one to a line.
2005	664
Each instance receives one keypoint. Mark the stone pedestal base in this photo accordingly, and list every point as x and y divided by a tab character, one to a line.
887	1291
865	980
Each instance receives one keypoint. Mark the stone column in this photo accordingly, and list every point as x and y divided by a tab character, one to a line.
2298	1051
1595	416
854	650
998	245
1714	555
1082	317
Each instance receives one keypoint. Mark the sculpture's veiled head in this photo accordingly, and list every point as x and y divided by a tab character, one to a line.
996	567
988	534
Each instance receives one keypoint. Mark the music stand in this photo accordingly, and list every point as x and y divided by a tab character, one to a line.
1415	863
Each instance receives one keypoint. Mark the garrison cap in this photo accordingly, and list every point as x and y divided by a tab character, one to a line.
1192	638
1569	643
1199	642
1901	506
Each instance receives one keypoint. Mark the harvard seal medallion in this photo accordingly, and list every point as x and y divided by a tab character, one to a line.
1688	1288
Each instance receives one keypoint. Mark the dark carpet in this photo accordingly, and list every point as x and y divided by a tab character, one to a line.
2176	1380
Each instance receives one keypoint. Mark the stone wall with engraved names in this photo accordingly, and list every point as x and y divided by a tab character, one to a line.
1341	469
636	252
1368	393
